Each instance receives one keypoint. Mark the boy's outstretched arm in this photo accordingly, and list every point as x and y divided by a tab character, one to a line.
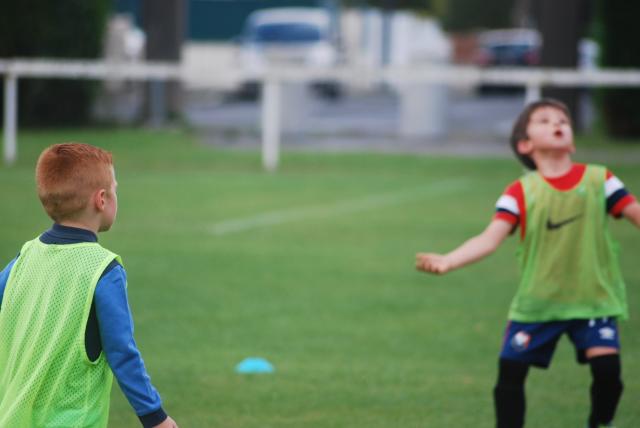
471	251
632	212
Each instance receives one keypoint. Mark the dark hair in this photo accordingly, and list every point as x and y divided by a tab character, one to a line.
519	131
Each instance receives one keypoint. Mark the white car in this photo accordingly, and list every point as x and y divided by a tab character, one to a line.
302	37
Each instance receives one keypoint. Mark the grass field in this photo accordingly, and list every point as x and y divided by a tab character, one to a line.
312	269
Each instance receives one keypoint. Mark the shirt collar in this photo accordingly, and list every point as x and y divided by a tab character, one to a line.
59	234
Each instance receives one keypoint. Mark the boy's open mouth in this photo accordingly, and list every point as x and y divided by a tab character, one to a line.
558	133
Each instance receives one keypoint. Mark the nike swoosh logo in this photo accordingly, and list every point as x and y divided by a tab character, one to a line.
554	226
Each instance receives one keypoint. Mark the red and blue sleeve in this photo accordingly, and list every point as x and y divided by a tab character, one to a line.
618	197
510	206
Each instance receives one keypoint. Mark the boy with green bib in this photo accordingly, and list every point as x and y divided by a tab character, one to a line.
571	281
65	323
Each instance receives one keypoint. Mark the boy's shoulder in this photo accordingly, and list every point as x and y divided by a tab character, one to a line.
79	247
115	264
579	171
596	167
596	174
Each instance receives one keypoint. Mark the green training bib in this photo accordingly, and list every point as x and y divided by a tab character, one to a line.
568	259
46	378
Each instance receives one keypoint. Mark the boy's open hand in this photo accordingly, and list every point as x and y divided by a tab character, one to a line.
432	263
167	423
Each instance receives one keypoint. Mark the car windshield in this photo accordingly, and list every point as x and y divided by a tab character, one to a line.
285	33
509	51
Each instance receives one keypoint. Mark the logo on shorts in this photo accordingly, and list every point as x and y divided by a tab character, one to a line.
607	333
520	341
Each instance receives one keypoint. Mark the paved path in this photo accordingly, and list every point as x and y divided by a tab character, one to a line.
478	126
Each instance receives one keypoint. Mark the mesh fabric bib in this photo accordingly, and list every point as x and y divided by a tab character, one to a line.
46	378
568	258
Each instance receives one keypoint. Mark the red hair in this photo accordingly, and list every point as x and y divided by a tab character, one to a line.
66	176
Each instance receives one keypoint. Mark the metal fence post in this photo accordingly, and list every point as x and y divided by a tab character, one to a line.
10	118
534	92
157	103
271	115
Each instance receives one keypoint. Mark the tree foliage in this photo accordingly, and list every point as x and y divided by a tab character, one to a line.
53	29
618	36
418	5
465	15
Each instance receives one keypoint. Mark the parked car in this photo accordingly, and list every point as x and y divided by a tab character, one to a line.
521	48
300	36
517	47
507	48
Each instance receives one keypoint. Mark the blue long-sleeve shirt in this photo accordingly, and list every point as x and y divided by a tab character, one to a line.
110	328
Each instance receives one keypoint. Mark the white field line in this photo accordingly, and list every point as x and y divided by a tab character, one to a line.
274	218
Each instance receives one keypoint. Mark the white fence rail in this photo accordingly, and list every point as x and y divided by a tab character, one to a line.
97	70
531	78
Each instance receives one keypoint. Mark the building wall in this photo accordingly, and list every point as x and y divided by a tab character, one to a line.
215	20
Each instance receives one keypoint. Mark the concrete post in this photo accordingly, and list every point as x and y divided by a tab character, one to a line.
296	101
10	118
271	121
424	110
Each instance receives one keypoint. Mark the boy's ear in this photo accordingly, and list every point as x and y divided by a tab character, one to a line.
99	199
524	147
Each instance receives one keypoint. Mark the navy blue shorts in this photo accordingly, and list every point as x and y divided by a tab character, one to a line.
534	343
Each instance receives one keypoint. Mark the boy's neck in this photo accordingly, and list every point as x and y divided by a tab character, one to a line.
80	225
551	164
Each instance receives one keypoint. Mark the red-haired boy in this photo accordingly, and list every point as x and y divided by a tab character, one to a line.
65	323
